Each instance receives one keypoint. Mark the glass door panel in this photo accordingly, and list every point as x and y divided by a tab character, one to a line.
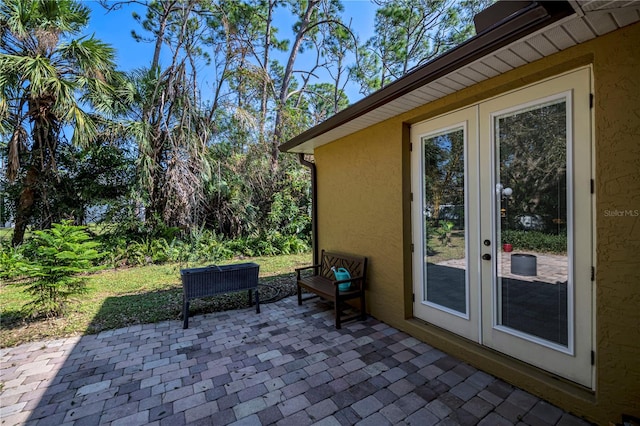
531	227
444	238
445	283
536	204
502	224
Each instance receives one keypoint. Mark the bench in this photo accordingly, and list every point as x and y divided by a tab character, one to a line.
212	280
323	284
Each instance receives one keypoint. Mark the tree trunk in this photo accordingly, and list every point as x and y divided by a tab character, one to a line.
305	22
265	65
25	205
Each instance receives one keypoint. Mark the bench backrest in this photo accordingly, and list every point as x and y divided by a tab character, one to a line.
356	265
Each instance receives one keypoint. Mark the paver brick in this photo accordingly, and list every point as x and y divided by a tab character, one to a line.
120	411
293	405
322	409
464	391
356	377
392	413
440	409
191	401
173	420
522	399
478	407
83	411
422	417
19	390
248	408
300	418
401	387
12	409
410	403
494	419
227	401
319	379
545	412
367	406
150	402
490	397
451	378
480	380
252	392
394	374
510	411
286	366
328	421
376	419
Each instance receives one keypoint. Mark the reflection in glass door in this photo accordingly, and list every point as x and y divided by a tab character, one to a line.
531	221
535	213
444	229
502	224
445	238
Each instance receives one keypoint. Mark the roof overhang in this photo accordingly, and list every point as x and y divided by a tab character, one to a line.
516	37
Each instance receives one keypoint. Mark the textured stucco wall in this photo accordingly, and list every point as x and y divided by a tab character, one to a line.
363	208
617	132
359	193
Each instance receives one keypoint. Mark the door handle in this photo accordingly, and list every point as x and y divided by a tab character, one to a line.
486	256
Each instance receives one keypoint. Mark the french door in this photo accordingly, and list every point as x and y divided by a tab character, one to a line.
502	220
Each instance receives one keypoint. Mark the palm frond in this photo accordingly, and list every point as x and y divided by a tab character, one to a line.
37	71
15	146
85	130
93	57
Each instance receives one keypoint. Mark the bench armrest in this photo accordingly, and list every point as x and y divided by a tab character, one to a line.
360	278
305	268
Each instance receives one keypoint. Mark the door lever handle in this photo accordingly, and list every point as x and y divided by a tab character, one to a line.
486	256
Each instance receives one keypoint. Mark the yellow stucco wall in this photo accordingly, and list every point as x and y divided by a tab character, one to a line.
363	208
352	179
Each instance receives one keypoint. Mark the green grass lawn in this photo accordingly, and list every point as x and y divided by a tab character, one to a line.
6	234
439	251
127	296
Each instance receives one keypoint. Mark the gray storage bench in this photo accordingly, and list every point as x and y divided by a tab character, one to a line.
212	280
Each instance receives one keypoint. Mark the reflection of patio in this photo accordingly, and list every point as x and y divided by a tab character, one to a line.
536	305
552	268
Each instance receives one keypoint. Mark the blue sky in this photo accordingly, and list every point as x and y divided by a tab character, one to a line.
115	28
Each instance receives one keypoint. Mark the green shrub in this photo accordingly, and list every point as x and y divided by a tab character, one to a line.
444	233
134	248
9	261
535	241
54	261
213	251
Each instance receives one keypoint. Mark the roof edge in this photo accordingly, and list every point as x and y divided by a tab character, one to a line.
532	17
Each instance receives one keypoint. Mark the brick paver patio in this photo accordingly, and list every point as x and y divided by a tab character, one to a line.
285	366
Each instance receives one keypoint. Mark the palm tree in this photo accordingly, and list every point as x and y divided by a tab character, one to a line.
49	82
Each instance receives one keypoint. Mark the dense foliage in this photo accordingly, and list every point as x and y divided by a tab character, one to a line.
178	161
49	81
535	241
191	140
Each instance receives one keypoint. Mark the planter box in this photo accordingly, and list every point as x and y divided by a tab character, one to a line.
213	280
524	264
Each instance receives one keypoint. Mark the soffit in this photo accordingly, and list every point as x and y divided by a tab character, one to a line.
592	18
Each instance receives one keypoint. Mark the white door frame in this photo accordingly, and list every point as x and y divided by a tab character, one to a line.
480	323
463	323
